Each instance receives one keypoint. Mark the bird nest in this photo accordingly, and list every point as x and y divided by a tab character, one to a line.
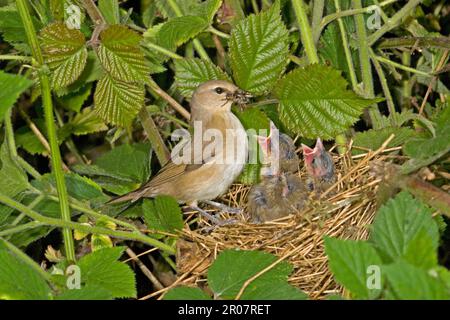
345	211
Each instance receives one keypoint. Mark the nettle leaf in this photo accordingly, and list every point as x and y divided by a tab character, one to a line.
259	50
83	123
315	102
350	261
186	293
233	268
65	53
408	282
118	102
18	281
163	214
11	87
398	223
121	55
178	31
373	139
190	73
101	269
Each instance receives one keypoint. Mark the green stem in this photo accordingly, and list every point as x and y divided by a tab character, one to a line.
197	44
406	83
162	50
84	228
348	54
400	66
317	18
50	124
255	6
385	87
162	153
420	42
22	227
26	259
218	32
394	21
305	31
14	57
341	143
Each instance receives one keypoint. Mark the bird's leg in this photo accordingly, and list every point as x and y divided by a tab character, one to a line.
211	218
222	207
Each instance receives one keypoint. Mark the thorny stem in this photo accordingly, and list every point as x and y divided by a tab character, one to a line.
417	42
51	130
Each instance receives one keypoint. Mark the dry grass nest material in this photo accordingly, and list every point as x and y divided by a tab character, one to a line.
344	211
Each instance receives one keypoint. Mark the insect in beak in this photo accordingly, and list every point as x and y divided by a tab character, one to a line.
240	97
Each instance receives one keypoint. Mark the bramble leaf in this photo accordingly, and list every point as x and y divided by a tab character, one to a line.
11	87
259	50
162	214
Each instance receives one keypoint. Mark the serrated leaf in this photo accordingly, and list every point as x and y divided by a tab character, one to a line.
186	6
163	214
131	161
350	261
73	101
101	268
28	141
121	55
373	139
179	30
259	50
207	9
110	10
190	73
421	251
18	281
118	102
408	282
64	52
186	293
315	102
398	223
83	123
11	87
232	268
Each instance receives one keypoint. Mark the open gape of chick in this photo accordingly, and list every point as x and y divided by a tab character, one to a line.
281	192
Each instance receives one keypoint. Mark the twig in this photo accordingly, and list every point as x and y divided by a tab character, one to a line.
160	92
385	87
145	270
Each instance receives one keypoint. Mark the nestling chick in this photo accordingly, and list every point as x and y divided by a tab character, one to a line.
211	177
320	167
280	192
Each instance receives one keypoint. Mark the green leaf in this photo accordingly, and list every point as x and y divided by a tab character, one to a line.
398	223
350	262
233	268
11	87
101	269
18	281
73	101
64	52
83	123
118	102
86	293
373	139
259	50
207	9
315	102
131	161
408	282
421	251
110	10
190	73
121	55
186	6
27	140
186	293
178	31
163	214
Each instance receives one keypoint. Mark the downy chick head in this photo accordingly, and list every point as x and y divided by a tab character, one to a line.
319	164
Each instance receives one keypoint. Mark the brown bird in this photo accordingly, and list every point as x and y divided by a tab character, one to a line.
212	174
280	192
320	167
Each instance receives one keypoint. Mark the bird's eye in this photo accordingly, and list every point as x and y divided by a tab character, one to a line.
219	90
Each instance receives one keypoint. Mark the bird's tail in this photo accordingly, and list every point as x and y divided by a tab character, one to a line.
130	196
